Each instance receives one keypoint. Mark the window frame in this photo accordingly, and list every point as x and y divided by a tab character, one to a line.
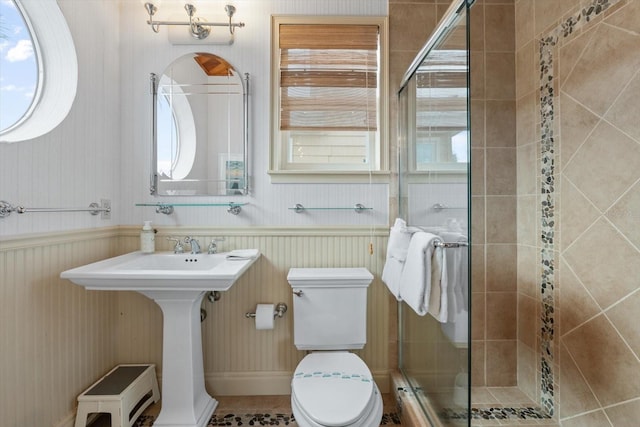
279	169
39	67
58	71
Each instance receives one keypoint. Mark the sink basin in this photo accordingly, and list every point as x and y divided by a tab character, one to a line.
177	283
169	261
166	271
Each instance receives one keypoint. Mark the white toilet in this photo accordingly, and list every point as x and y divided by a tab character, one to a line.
330	386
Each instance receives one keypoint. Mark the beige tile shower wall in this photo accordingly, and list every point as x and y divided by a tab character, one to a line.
410	24
238	359
493	189
600	84
528	212
597	85
55	337
493	156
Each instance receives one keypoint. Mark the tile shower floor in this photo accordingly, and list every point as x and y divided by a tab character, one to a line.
505	406
252	411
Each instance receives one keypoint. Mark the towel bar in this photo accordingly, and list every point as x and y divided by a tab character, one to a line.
446	245
94	209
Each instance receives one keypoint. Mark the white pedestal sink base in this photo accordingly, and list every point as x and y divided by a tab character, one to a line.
177	283
185	402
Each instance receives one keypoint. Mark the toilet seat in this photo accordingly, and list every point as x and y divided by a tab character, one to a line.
335	389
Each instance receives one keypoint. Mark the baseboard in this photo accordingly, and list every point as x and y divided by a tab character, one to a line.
266	383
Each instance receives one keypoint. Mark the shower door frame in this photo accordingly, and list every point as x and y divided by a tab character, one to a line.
449	19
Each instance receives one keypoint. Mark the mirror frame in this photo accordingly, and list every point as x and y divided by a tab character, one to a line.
153	185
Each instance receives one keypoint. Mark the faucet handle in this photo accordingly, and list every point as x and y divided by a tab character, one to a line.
178	247
213	247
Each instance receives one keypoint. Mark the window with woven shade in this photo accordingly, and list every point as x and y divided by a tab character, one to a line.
328	96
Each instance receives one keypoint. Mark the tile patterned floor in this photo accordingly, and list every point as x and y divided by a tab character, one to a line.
252	411
492	406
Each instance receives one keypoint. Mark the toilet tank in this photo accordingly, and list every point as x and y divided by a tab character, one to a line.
329	307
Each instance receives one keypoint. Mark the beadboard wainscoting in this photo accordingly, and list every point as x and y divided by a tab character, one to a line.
56	338
238	359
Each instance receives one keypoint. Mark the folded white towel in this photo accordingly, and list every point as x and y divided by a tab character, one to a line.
439	297
242	254
399	239
416	279
391	274
457	269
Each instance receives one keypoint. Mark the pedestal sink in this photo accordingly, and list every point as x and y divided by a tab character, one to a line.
177	283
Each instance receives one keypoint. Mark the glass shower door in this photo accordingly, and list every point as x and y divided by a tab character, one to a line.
434	160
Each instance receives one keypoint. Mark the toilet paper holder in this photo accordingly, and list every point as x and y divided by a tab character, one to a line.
279	311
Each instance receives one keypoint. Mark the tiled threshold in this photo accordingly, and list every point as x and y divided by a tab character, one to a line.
491	406
252	411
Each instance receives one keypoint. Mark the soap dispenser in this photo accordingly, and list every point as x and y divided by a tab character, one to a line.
147	238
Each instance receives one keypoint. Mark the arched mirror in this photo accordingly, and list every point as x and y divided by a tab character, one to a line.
200	111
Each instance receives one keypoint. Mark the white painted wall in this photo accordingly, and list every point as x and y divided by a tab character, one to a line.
143	52
102	149
76	163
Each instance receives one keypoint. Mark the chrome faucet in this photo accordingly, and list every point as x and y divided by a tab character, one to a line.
178	248
195	246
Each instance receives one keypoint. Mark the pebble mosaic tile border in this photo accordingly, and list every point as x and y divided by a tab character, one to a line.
582	17
497	413
251	420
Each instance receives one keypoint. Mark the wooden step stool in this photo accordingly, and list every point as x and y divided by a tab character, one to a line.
125	392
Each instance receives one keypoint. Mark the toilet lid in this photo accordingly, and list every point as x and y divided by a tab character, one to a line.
333	388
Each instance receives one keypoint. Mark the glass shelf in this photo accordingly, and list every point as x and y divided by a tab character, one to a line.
167	208
358	208
192	204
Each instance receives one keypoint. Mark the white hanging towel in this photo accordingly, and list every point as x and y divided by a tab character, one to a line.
457	275
397	247
417	276
439	297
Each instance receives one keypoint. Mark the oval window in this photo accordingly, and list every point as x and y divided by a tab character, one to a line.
33	102
19	65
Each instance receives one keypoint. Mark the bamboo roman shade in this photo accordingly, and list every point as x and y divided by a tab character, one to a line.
328	77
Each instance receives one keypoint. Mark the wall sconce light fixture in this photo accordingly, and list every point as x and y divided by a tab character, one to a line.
198	27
